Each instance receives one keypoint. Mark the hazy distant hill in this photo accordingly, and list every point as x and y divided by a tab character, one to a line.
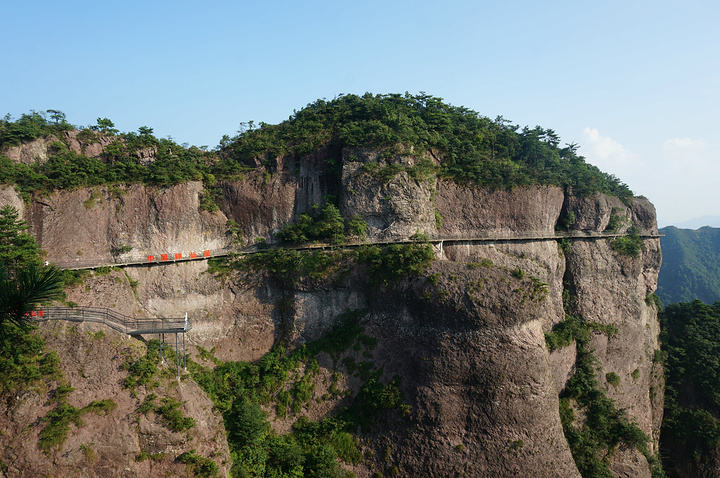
698	222
691	265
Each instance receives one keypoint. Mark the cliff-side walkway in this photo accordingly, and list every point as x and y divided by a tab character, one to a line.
123	323
115	320
171	258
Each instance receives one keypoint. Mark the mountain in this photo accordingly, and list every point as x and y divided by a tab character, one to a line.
691	265
412	289
698	222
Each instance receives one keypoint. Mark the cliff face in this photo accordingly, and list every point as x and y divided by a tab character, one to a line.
466	338
120	442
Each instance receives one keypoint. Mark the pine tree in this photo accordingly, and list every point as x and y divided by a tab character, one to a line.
17	247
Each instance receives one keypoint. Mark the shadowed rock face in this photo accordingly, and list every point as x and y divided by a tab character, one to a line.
468	346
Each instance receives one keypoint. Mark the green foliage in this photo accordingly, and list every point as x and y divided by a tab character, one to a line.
31	126
120	161
690	265
471	148
143	455
173	418
120	249
653	299
568	220
23	361
341	336
397	261
313	447
59	419
483	263
105	125
143	370
691	340
208	200
21	290
605	427
17	247
198	464
628	245
577	329
290	266
169	411
356	227
100	406
328	225
612	378
374	398
615	221
564	245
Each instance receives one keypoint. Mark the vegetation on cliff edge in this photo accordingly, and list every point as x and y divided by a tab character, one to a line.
464	146
595	434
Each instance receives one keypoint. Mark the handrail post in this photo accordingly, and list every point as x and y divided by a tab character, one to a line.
177	357
184	353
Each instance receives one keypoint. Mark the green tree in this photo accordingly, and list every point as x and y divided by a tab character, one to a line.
23	281
57	116
17	247
105	125
22	291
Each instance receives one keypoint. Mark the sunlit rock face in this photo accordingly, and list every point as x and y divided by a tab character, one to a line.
466	339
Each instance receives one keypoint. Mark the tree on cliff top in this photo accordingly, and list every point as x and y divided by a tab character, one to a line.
32	125
470	148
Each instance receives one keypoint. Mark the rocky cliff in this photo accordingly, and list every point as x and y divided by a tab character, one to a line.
466	338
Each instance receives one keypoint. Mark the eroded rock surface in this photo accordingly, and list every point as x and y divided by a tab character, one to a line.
468	345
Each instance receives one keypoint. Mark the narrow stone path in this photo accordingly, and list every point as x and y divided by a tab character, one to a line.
172	258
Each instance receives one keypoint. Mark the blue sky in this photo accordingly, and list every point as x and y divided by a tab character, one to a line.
635	83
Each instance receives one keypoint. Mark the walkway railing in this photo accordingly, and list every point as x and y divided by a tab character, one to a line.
123	323
169	258
115	320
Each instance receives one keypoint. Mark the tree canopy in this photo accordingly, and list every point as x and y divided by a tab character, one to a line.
691	424
691	265
468	147
17	246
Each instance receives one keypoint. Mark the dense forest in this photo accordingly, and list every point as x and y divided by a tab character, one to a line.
691	265
466	147
691	425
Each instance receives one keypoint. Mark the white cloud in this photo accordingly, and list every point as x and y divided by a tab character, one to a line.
609	155
679	175
687	154
685	179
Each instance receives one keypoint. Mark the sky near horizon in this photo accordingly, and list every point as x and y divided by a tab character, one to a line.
635	83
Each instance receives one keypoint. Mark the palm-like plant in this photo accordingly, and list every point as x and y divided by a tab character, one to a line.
24	289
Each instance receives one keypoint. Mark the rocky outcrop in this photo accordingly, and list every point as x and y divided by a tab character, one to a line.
86	142
123	441
466	339
86	226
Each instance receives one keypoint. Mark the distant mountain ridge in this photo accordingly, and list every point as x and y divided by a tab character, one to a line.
691	265
698	222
